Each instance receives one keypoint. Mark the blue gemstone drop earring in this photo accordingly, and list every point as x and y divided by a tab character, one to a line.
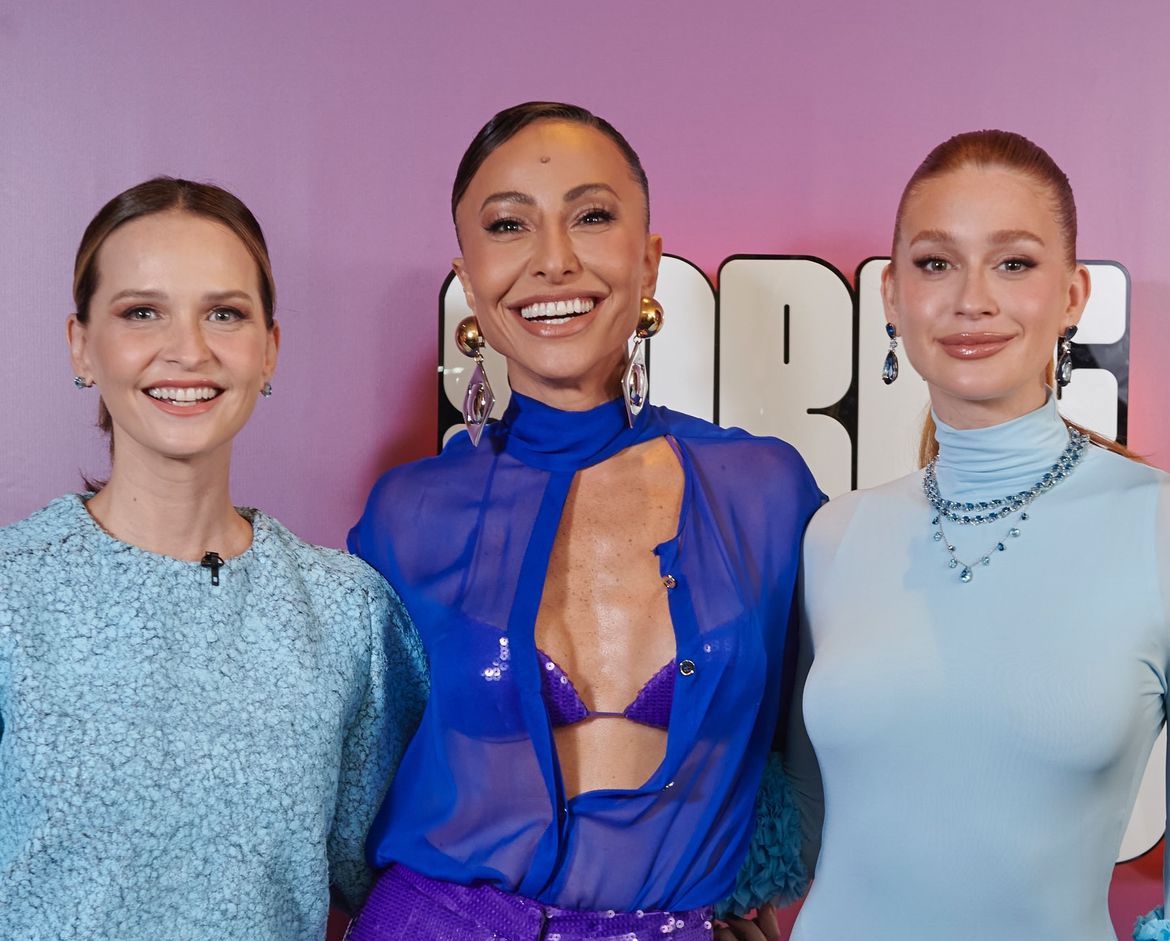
1064	363
890	366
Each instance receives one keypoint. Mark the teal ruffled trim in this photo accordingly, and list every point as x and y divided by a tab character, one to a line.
1152	927
773	870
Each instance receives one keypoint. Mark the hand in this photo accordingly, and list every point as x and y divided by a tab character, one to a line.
763	927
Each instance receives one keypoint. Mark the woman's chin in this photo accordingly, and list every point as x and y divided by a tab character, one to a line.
567	389
991	402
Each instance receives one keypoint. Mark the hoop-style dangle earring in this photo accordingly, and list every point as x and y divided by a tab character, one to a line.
635	380
80	382
890	366
1064	363
479	398
266	389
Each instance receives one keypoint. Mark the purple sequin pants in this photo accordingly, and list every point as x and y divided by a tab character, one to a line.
406	906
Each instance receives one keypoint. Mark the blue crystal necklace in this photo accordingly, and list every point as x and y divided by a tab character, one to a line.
976	513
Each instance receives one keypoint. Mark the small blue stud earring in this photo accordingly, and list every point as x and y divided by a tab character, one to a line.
80	382
266	389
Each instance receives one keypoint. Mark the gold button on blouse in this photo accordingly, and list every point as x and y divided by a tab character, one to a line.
669	581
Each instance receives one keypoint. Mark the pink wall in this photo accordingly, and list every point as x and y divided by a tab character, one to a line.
764	126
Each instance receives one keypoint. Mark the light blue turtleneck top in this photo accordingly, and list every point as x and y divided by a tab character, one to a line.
981	744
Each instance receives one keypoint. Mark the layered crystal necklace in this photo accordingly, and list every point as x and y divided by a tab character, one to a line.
977	513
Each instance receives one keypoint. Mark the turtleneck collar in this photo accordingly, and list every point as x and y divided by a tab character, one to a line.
982	463
555	440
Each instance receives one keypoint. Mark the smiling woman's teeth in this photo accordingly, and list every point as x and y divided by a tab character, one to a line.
183	396
557	311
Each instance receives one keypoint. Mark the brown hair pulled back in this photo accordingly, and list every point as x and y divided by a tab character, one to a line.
1010	151
167	194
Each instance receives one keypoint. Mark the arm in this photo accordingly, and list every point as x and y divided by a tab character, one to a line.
774	871
377	736
786	839
789	808
1156	925
800	760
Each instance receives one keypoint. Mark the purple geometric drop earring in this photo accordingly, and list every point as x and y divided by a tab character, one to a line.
635	380
479	398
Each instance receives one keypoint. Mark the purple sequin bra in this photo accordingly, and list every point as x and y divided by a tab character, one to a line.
565	707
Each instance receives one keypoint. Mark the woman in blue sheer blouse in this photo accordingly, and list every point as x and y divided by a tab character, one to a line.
603	587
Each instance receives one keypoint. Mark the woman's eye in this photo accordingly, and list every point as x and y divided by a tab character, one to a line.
932	263
226	315
506	225
597	217
1017	264
139	313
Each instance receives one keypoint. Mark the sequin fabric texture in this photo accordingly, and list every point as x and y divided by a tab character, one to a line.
186	762
650	707
405	906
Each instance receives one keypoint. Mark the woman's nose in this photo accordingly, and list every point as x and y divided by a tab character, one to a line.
555	257
186	344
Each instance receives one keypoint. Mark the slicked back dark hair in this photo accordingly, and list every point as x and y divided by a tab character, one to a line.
509	122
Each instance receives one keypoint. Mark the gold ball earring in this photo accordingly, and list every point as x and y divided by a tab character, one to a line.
468	338
650	318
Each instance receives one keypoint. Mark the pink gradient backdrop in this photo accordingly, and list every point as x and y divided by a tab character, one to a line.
764	126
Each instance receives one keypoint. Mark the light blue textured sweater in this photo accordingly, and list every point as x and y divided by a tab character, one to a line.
184	761
981	743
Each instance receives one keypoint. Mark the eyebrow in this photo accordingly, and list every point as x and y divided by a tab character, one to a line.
212	297
1000	237
515	196
219	297
1004	236
508	196
586	188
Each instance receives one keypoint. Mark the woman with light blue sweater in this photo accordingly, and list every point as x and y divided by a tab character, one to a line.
198	711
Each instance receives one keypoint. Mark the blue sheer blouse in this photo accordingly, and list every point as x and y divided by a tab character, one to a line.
465	538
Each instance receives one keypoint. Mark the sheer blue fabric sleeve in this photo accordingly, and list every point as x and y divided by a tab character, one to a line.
379	730
783	848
